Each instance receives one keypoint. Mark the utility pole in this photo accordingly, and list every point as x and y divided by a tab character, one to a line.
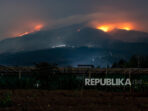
20	74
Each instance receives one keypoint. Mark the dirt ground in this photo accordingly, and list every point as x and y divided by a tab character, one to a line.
64	100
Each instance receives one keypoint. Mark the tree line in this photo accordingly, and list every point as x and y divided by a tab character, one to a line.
133	62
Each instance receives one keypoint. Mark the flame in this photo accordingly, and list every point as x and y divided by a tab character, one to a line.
104	28
125	28
22	34
35	29
38	27
110	27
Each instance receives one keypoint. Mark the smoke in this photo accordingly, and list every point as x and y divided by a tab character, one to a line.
19	16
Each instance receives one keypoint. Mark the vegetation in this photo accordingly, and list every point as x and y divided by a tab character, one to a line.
133	62
5	100
45	73
49	76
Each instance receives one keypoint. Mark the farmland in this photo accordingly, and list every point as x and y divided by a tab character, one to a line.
75	100
63	89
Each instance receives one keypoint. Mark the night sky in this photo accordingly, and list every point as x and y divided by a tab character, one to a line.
19	16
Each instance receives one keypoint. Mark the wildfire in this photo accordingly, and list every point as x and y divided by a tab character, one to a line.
35	29
110	27
104	28
38	27
125	28
25	33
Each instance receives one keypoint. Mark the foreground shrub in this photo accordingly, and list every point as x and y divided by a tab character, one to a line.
5	100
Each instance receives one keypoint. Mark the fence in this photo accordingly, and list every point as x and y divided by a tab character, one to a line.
73	78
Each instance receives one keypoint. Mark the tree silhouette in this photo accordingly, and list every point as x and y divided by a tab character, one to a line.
134	62
45	72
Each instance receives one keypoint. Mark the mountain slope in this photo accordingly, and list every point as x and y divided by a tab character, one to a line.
64	56
83	45
129	36
50	38
75	36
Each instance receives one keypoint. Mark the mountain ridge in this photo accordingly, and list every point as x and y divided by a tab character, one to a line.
74	36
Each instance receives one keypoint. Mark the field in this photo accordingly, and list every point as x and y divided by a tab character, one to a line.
24	95
74	100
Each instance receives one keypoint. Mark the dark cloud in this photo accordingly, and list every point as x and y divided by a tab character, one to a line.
21	15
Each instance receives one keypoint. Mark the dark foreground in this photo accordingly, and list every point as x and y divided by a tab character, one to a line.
88	100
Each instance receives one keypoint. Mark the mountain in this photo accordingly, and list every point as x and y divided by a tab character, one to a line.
68	56
129	36
72	45
64	57
74	35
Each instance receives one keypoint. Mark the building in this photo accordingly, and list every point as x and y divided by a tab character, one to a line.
85	66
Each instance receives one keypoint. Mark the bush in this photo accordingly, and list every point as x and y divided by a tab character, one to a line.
5	100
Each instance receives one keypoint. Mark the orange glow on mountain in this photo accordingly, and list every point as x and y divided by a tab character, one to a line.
105	28
125	28
25	33
35	29
110	27
38	27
